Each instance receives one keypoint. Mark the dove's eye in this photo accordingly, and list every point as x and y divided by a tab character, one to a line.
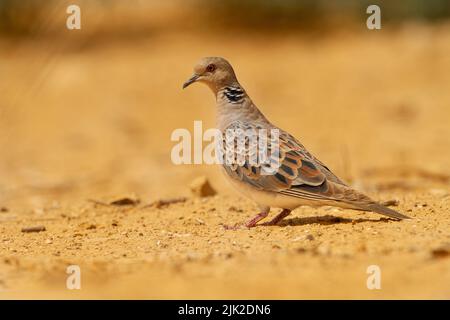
211	67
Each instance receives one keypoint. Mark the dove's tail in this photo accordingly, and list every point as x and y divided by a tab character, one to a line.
378	208
362	202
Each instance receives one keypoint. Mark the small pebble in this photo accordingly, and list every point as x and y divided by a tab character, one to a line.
33	229
201	187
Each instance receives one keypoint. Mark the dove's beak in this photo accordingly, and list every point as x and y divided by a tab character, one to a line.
191	80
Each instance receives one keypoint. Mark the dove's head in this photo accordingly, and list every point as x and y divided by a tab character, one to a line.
216	72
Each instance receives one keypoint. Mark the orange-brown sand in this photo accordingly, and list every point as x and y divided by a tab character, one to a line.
95	124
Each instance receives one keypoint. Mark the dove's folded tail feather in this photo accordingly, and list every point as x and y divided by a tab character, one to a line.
378	208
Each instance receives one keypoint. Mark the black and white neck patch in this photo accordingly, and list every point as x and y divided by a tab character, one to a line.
234	94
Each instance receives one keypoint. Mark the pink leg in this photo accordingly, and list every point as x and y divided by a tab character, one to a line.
283	214
251	223
256	219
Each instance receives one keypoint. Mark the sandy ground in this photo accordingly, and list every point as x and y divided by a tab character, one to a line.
84	125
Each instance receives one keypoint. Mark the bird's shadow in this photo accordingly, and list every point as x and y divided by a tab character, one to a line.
325	220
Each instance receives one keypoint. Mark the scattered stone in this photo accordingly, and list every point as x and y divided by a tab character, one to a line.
91	227
201	187
233	208
228	255
310	237
166	202
97	202
200	221
191	256
126	201
441	252
301	250
161	245
48	241
33	229
4	209
390	203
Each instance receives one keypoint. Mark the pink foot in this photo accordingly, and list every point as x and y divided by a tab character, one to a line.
250	224
278	218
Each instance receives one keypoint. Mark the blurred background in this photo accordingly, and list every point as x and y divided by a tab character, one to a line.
88	113
86	116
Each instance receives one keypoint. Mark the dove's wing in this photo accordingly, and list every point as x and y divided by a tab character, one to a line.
297	174
296	166
289	141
